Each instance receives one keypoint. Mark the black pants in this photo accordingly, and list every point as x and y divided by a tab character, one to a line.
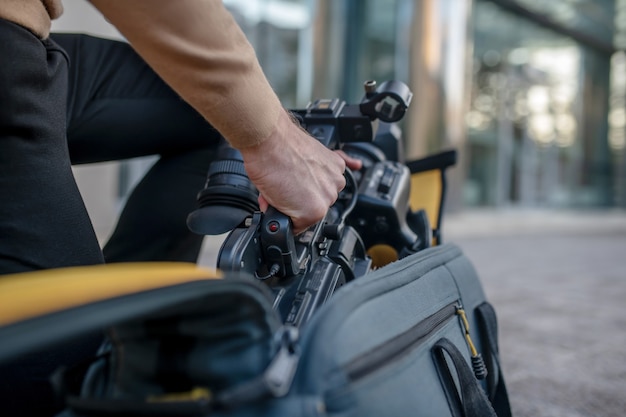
107	104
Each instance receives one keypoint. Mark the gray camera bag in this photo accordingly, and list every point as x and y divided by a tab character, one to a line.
413	338
393	343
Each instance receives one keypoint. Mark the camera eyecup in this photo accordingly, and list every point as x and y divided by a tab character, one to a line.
227	198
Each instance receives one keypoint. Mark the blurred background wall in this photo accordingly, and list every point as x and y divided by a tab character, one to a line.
531	93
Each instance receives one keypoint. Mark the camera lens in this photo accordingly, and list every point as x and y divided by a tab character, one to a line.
227	198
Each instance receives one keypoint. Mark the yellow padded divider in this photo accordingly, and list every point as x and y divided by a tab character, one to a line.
425	194
382	255
30	294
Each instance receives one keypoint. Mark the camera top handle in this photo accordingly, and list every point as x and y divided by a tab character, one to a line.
333	122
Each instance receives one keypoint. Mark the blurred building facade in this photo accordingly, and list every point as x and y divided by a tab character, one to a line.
532	93
546	115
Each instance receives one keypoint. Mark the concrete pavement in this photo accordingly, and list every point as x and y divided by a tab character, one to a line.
558	283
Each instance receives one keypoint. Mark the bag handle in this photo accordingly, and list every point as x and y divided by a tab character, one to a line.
472	401
498	395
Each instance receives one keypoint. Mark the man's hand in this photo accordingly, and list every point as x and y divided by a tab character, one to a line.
296	174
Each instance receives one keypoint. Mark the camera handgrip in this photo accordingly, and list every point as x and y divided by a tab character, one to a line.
279	247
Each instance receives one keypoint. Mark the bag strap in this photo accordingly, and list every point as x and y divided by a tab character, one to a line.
498	395
473	400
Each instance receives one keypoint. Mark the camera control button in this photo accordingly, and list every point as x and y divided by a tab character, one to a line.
273	226
324	106
386	181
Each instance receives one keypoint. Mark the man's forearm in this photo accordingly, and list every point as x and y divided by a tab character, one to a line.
200	51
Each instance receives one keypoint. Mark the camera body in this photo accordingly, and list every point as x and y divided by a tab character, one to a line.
304	270
382	209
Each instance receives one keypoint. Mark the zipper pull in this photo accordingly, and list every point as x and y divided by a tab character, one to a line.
279	374
478	365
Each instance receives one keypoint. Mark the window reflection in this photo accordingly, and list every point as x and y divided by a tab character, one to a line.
617	113
534	131
278	30
546	121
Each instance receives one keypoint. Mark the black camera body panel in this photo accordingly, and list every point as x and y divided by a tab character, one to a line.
311	291
332	121
304	270
380	214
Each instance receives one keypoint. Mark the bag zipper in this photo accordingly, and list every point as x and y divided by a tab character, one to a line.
379	356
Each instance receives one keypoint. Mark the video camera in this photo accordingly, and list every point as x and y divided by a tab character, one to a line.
372	213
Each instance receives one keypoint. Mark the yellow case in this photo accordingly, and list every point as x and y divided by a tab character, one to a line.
428	187
29	294
43	307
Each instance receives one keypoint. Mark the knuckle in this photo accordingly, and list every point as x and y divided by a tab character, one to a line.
320	211
342	183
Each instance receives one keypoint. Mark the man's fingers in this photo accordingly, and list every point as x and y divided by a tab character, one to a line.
352	163
263	204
